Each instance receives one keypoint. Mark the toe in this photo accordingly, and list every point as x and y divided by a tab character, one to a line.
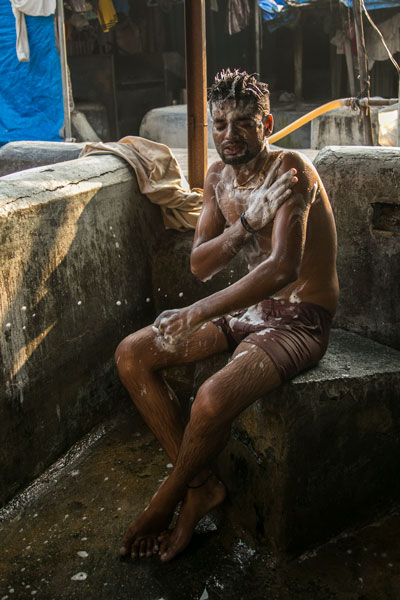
149	547
142	548
135	548
126	542
168	553
163	545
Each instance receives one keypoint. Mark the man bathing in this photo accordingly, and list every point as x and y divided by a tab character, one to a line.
271	206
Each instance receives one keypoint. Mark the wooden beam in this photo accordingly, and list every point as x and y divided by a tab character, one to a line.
196	85
257	37
298	60
363	70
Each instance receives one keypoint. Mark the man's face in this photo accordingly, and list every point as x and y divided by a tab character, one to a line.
239	130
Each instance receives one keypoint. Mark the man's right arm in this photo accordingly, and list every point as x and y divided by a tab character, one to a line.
214	245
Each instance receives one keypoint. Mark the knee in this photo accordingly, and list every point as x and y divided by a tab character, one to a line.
129	356
207	407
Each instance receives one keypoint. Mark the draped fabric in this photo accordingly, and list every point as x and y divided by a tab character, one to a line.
159	178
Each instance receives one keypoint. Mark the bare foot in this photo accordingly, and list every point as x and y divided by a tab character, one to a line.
141	538
197	503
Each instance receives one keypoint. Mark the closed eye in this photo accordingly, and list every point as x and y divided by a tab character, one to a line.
219	125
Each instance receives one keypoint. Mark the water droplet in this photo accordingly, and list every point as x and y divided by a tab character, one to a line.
81	576
118	303
147	299
180	294
79	302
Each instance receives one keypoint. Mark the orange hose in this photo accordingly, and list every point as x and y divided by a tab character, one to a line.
308	117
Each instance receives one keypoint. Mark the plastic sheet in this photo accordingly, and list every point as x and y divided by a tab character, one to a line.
273	9
31	103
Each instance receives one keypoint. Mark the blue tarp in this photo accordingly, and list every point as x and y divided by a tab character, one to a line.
273	9
374	4
31	102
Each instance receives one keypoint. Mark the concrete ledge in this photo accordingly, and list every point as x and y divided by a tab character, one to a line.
363	185
319	453
19	156
76	245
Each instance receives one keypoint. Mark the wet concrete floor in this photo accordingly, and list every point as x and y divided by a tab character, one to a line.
60	539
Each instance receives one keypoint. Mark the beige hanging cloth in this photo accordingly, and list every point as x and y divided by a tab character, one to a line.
34	8
159	178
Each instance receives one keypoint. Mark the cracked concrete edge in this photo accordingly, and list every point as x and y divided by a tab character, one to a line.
24	189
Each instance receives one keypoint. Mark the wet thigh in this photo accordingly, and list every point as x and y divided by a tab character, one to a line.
249	375
155	351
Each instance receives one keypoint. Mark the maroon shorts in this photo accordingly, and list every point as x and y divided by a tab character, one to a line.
294	335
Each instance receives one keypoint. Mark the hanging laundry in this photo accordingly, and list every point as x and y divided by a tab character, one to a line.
122	6
238	15
78	5
107	15
390	29
33	8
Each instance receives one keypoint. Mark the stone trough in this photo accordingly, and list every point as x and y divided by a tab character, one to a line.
85	260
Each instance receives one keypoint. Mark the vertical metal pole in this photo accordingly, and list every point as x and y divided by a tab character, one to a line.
257	40
196	85
64	77
363	68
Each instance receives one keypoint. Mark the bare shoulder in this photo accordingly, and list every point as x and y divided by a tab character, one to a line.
297	160
215	178
215	169
309	178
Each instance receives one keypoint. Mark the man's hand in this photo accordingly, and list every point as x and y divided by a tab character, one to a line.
176	324
265	200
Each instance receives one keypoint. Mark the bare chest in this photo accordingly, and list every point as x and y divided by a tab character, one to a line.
232	202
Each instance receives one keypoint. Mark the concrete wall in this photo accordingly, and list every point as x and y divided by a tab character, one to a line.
76	241
363	185
341	127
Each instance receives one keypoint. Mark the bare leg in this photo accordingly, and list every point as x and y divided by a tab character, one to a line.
138	359
221	398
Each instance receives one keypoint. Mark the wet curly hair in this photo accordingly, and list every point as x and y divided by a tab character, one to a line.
239	85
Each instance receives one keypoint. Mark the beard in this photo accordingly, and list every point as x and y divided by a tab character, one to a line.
248	154
241	159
